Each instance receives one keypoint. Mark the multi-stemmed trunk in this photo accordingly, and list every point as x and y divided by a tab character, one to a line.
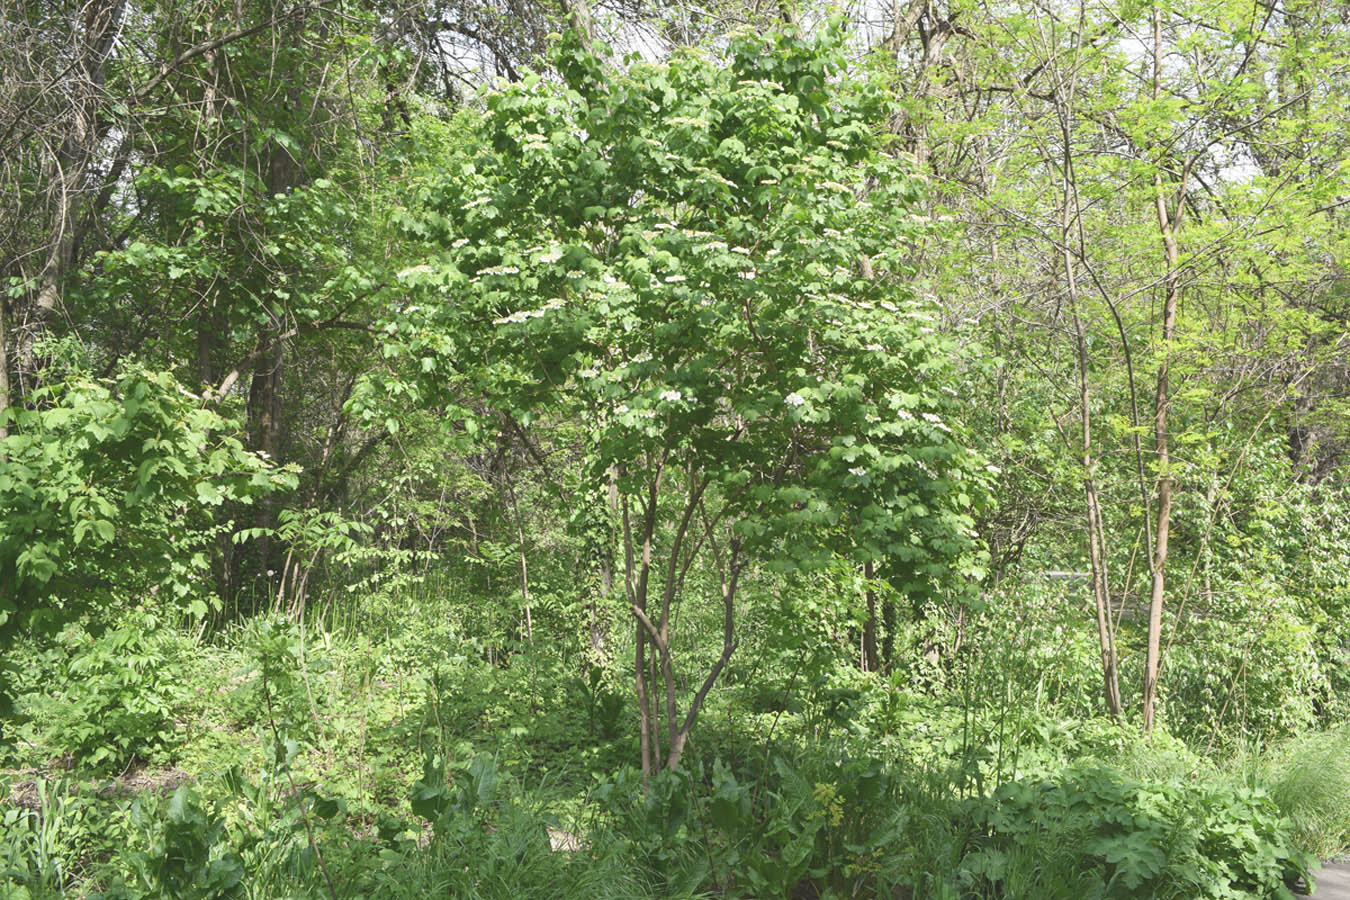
654	660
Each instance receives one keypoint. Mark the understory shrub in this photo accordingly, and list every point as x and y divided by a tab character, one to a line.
844	828
1105	835
111	700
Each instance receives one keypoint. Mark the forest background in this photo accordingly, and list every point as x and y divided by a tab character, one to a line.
661	449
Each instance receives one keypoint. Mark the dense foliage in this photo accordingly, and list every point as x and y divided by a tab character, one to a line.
478	450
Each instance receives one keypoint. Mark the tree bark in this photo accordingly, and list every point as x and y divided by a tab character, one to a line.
579	17
1070	212
69	165
1161	396
637	574
730	580
4	376
264	410
871	662
598	632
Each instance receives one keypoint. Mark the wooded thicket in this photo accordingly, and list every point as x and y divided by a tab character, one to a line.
848	411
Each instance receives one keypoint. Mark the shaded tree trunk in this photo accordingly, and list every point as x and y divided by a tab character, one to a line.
871	662
4	374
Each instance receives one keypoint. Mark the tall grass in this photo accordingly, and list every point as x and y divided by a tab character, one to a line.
1309	779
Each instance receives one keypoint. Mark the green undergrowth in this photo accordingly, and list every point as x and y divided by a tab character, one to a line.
794	824
428	764
1309	778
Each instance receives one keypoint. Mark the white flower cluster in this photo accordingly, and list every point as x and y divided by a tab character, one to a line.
671	396
526	314
794	399
936	421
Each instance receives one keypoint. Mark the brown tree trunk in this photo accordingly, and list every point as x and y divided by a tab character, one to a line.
1172	292
265	428
871	663
69	165
637	575
656	635
1095	527
887	632
644	716
730	579
598	631
579	17
4	375
524	565
1096	530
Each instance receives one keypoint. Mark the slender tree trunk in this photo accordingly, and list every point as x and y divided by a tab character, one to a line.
1161	396
1096	530
579	17
730	579
637	576
70	163
644	715
887	632
4	375
902	23
598	631
871	663
265	426
206	370
656	703
524	567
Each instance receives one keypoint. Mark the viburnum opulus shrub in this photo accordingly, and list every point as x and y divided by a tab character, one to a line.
710	263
